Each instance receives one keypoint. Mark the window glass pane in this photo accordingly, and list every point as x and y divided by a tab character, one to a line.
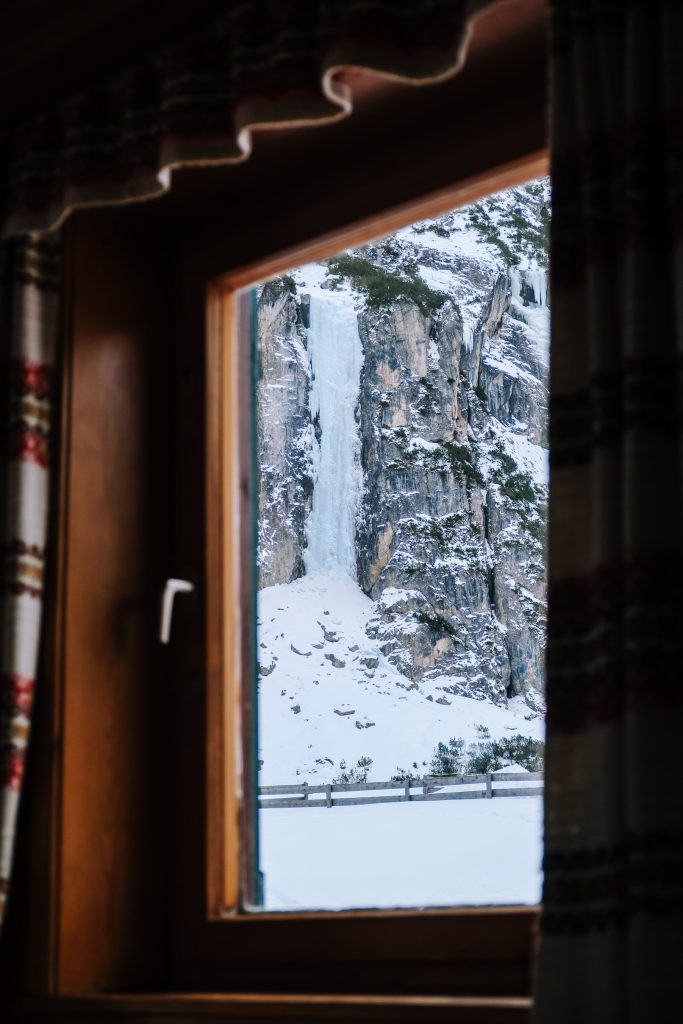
401	406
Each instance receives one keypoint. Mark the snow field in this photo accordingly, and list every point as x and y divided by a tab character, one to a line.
459	853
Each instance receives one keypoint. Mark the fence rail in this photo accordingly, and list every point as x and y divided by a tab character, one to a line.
431	787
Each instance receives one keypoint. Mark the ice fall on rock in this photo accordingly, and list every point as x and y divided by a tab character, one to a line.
336	357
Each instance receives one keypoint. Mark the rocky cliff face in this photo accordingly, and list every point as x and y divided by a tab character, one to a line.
285	432
451	415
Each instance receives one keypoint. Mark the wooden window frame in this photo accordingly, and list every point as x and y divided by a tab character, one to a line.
230	542
463	950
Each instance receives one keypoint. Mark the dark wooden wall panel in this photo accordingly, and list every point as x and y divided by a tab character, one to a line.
111	849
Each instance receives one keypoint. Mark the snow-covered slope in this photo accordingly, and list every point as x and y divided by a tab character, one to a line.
332	698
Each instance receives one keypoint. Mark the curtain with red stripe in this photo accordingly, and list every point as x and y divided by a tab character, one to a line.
29	306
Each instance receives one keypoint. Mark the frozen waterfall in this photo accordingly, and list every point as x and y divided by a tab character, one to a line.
336	357
538	282
536	279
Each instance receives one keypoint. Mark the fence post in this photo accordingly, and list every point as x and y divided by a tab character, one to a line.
328	795
489	787
304	790
407	790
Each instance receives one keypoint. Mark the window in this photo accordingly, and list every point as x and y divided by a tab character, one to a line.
229	933
400	413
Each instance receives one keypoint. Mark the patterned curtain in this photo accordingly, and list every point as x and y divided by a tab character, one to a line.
264	63
29	307
613	895
261	63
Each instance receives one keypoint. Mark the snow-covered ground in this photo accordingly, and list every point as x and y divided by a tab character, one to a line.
330	696
460	853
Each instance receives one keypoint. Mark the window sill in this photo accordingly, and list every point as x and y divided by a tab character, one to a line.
247	1006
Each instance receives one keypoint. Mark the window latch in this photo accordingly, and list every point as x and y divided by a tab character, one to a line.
172	588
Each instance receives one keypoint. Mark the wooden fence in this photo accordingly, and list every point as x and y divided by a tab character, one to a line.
431	787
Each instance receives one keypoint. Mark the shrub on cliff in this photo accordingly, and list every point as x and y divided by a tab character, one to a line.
436	622
462	460
382	288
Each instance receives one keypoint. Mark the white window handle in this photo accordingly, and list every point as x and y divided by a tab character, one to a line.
172	588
